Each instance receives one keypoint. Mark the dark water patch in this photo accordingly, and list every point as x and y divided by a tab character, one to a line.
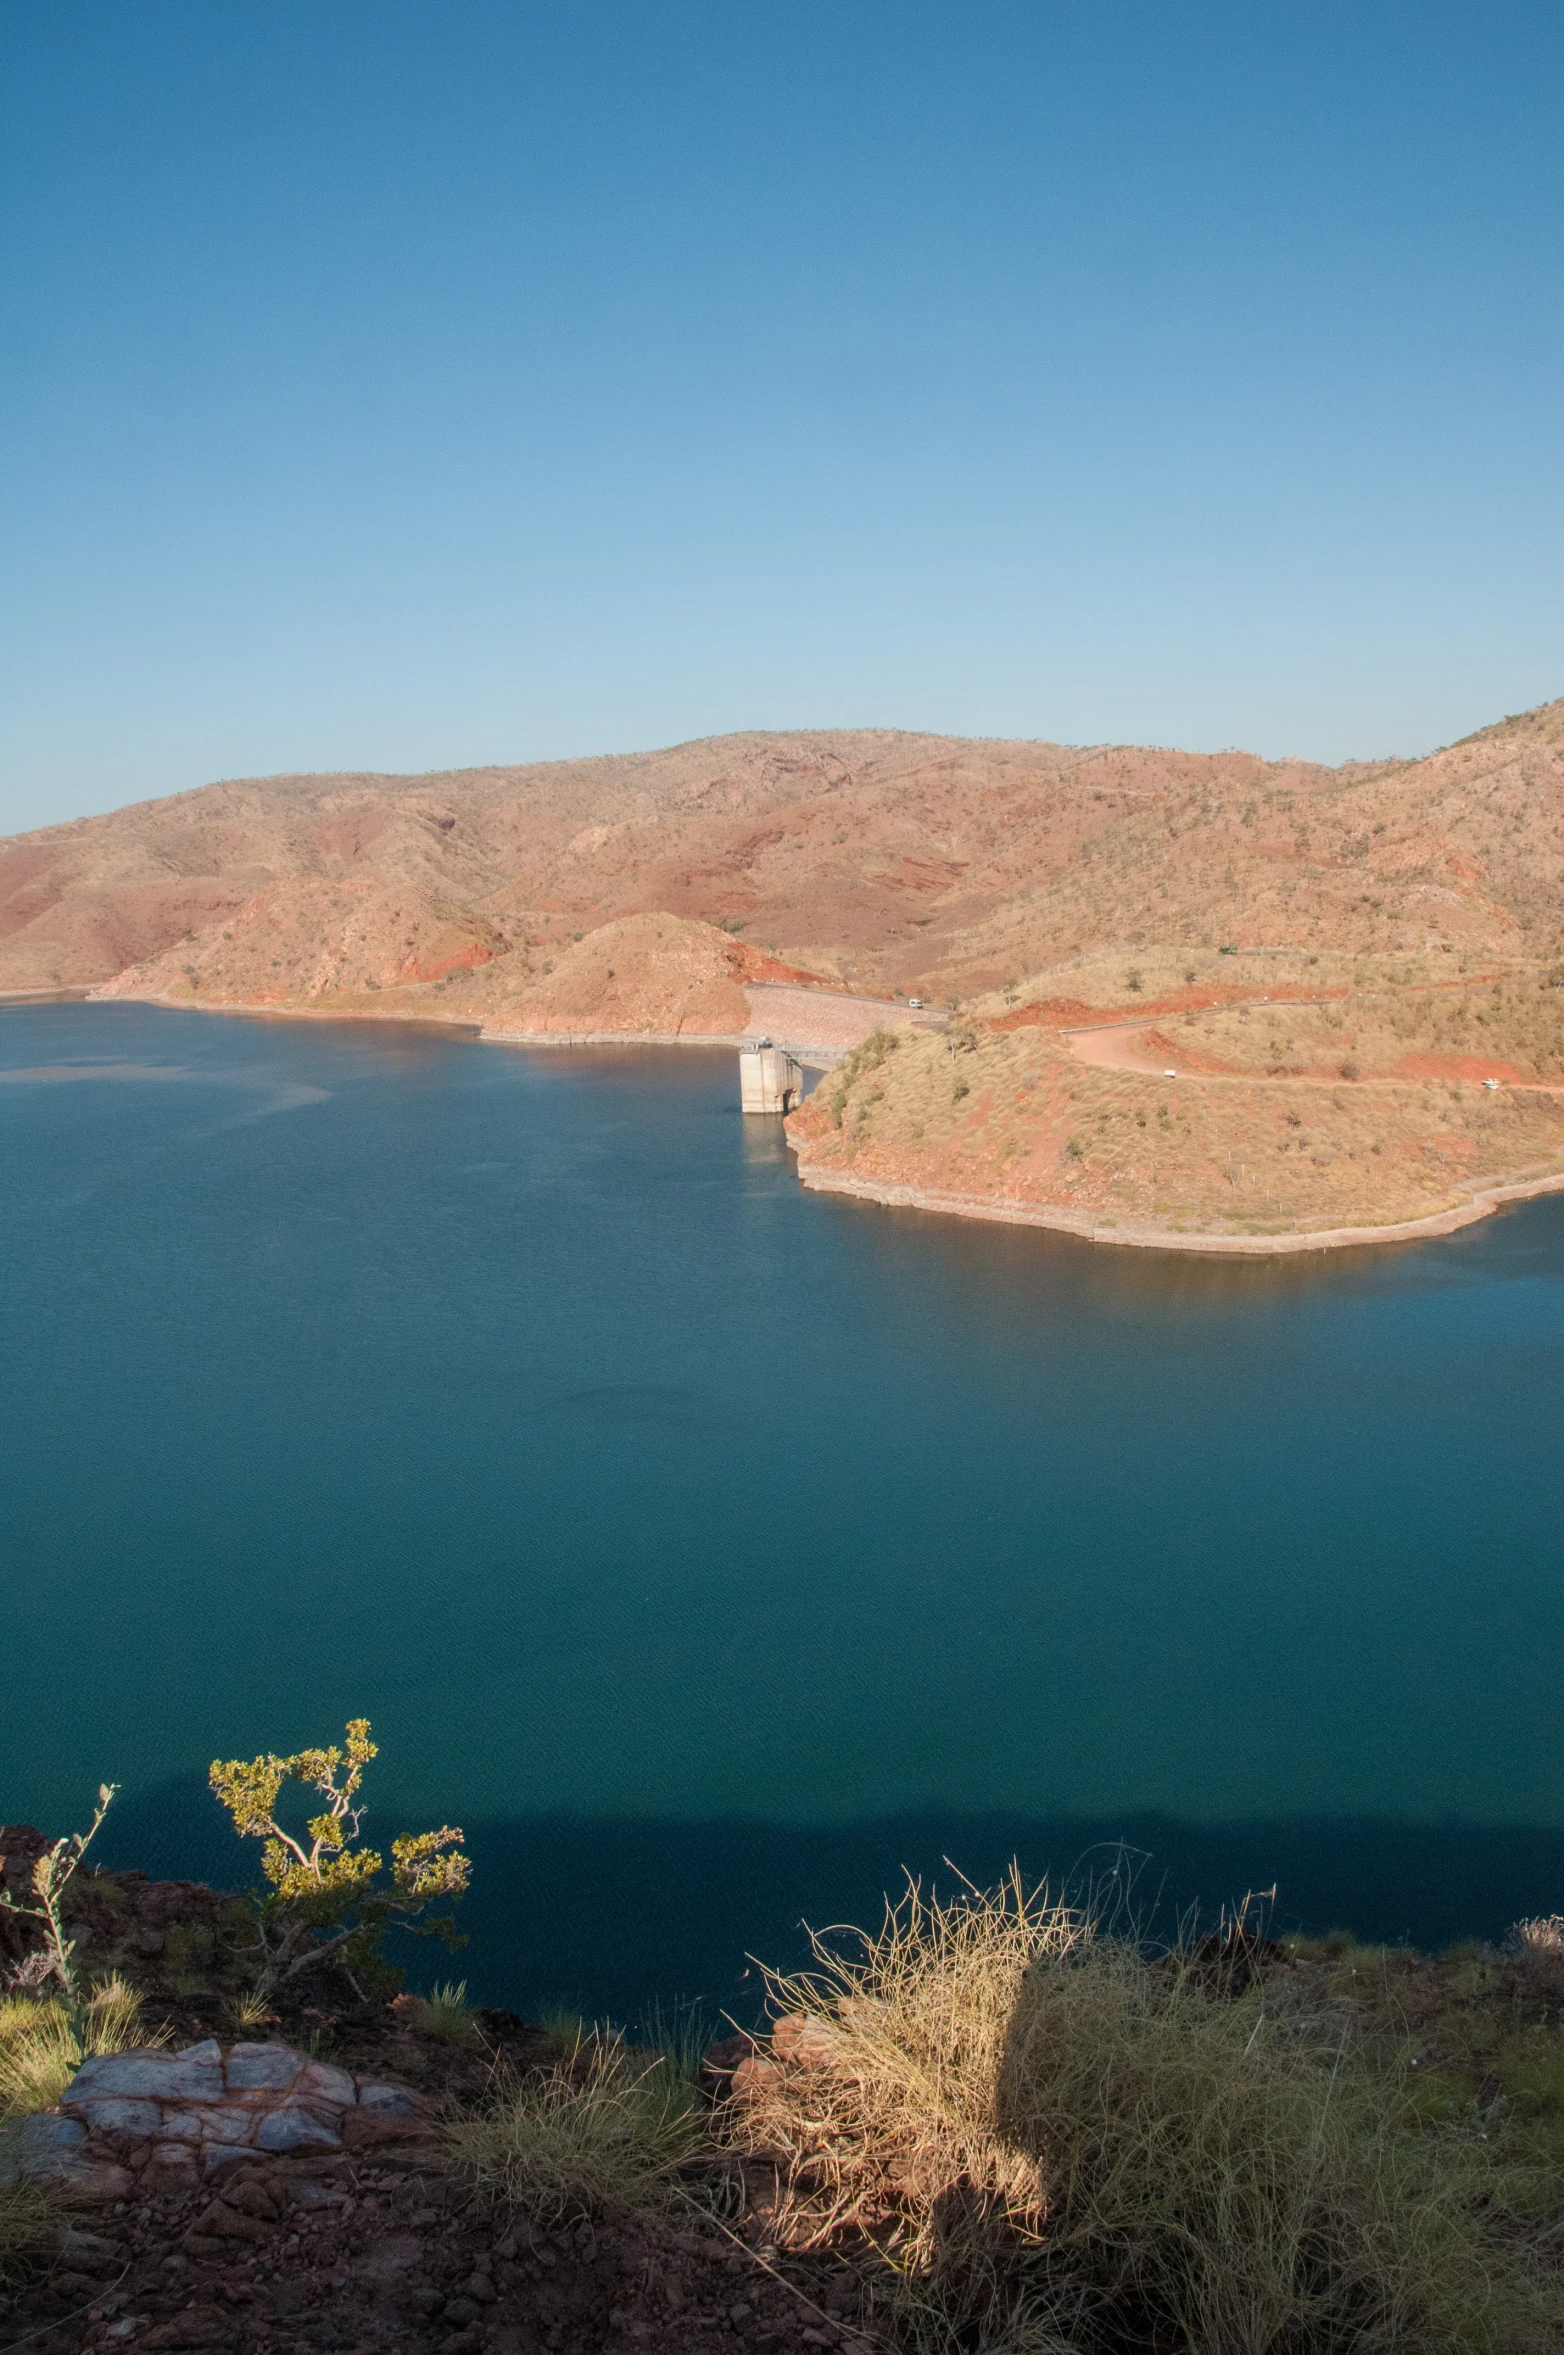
620	1916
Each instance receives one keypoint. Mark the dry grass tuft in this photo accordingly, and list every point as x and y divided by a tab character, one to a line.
445	2012
39	2054
562	2033
603	2135
1054	2143
248	2011
43	2043
888	2092
1542	1934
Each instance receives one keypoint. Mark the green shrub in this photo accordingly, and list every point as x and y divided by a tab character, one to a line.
562	2033
52	1873
326	1902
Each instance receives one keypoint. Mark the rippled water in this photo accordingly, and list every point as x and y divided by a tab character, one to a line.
712	1549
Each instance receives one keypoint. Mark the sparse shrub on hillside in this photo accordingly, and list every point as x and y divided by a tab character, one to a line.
326	1902
52	1875
1057	2143
866	1057
869	1055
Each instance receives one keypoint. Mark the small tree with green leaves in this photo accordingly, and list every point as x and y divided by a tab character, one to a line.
327	1901
52	1872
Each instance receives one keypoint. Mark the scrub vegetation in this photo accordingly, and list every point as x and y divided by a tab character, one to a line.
998	2125
1311	1096
1038	2136
43	2041
327	1901
602	2132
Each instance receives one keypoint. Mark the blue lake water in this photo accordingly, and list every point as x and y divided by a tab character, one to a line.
710	1549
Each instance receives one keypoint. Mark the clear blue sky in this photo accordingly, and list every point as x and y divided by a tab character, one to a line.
408	382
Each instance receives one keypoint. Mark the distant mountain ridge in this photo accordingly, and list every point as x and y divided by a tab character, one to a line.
883	861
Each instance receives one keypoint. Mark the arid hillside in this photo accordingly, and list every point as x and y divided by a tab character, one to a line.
706	891
881	861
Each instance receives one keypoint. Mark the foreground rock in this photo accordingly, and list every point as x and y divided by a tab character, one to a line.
254	2199
201	2110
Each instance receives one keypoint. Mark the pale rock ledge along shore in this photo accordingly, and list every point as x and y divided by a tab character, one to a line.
1149	1238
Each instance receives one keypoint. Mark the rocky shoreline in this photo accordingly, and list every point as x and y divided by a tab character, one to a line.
1128	1233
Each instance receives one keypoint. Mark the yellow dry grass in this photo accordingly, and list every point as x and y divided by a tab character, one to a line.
29	2221
43	2043
1053	2143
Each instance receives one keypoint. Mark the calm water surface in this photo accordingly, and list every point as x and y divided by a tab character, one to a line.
711	1549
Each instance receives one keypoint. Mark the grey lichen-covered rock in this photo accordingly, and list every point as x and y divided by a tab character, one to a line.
255	2068
320	2081
389	2100
296	2130
39	2146
49	2149
119	2114
201	2105
192	2076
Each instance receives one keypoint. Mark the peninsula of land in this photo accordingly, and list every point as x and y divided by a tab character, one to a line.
1198	1000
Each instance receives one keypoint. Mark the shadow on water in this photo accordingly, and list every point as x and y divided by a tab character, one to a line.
618	1916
